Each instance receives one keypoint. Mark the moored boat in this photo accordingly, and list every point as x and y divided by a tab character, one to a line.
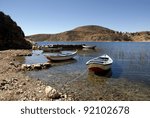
89	46
100	64
61	56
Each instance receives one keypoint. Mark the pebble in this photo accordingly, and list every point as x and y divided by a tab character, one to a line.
3	83
11	63
20	91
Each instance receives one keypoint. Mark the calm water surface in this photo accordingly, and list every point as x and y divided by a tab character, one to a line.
129	78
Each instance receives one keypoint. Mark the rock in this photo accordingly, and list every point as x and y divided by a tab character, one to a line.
14	80
28	65
23	83
52	93
11	63
37	66
27	80
46	65
3	83
25	66
19	91
46	46
11	35
24	99
30	54
20	55
34	47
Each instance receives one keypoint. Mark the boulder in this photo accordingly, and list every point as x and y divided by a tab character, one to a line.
46	65
52	93
25	66
37	66
11	35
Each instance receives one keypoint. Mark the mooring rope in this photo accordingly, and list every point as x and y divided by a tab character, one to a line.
68	82
77	77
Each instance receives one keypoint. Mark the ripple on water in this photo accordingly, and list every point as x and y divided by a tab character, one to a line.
129	78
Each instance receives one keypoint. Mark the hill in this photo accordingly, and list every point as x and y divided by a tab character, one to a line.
84	33
11	35
140	36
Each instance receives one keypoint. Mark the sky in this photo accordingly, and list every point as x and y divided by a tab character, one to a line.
55	16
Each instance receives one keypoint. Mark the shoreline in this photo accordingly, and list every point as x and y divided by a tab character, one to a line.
93	41
15	85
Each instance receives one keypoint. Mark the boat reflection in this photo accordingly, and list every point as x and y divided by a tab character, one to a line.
99	78
107	74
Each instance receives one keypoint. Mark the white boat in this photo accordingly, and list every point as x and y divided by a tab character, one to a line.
100	64
61	56
89	46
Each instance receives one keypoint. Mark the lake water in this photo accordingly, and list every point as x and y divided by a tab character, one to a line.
129	78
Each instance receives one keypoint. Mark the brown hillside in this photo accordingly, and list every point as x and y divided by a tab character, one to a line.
92	28
140	36
90	33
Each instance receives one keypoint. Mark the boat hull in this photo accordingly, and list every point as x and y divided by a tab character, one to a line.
88	47
61	57
99	67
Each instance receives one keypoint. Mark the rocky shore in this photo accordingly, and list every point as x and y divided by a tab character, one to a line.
15	85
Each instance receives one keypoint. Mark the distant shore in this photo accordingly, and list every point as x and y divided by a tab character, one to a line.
92	33
34	42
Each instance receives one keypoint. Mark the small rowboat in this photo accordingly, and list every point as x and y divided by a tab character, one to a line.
89	46
61	56
100	64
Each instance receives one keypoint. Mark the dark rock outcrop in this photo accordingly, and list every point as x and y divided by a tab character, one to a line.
11	35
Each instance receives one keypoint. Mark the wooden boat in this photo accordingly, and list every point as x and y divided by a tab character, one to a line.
100	64
89	46
61	56
51	49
